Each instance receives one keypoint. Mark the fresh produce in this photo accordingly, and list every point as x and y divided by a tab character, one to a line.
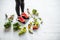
36	21
6	16
30	31
7	24
16	26
22	31
41	22
30	15
11	18
37	14
36	24
40	19
34	12
29	27
35	27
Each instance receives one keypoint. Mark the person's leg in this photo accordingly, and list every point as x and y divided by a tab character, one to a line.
17	7
24	15
22	5
20	18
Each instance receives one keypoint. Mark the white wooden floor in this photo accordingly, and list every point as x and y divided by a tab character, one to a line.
49	11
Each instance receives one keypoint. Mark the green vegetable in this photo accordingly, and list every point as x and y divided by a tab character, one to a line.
6	16
41	22
16	26
35	19
29	28
7	24
40	19
11	18
29	25
22	31
30	31
37	14
36	22
34	11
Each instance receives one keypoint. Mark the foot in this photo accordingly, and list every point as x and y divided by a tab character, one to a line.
21	19
24	15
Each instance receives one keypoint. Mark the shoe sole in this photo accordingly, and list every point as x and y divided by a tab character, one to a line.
20	21
24	17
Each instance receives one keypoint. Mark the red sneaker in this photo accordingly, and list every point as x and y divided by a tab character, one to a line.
24	15
21	19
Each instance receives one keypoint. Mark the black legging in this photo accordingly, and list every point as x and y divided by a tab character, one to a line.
19	3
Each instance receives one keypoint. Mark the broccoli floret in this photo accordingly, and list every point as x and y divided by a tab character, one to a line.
16	26
7	24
